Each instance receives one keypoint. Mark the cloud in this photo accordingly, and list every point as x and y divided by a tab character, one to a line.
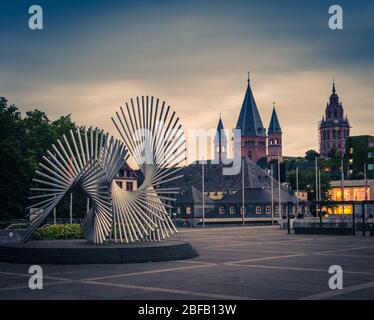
93	57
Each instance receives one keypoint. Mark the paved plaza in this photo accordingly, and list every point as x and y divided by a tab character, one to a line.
234	263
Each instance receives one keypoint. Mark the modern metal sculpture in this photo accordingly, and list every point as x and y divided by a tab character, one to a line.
156	144
90	160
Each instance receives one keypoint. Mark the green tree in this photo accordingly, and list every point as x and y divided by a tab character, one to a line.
23	142
311	155
307	182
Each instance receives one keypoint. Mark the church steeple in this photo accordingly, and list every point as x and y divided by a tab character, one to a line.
253	141
249	120
274	137
220	141
274	126
334	127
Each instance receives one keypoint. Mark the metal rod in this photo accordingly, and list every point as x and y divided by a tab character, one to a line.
203	190
243	196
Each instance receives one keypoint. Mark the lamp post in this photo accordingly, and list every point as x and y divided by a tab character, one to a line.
203	190
297	191
279	190
272	194
243	197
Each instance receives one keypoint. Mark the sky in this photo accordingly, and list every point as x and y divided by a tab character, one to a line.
92	56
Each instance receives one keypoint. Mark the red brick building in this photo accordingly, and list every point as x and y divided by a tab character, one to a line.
256	145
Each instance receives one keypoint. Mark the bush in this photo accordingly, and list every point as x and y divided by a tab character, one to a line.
58	232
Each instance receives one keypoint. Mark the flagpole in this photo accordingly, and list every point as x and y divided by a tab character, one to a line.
319	186
272	194
243	199
366	183
366	191
71	208
297	191
316	188
203	187
279	190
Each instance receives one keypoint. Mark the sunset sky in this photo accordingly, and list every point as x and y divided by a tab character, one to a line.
92	56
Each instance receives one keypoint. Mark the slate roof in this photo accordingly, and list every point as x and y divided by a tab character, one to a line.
274	126
257	182
192	195
257	195
220	134
249	120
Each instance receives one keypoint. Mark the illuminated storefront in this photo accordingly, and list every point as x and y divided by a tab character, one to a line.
354	190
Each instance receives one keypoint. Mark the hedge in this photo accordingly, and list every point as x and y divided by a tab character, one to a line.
58	232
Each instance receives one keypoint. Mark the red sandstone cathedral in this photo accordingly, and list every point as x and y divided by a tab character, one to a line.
263	146
256	144
334	127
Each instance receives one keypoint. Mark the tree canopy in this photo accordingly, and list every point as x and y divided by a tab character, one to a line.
23	141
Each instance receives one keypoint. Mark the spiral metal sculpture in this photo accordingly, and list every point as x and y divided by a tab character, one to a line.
90	160
156	144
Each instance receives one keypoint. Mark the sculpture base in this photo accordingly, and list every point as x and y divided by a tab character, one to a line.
83	252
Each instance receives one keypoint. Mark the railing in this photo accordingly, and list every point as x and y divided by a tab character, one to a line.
360	220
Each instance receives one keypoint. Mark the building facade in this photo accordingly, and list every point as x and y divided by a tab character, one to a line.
126	178
334	127
360	155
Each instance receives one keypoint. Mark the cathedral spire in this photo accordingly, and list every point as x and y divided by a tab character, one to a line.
220	141
333	86
274	126
220	133
249	120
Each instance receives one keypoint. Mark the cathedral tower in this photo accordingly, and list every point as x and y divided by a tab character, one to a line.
253	141
274	137
334	128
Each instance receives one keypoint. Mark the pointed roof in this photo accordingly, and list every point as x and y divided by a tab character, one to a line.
274	126
249	120
334	98
220	134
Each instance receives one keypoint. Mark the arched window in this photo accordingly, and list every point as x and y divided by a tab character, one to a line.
258	210
242	210
268	210
232	210
221	210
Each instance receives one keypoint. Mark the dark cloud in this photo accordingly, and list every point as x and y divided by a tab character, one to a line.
93	54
